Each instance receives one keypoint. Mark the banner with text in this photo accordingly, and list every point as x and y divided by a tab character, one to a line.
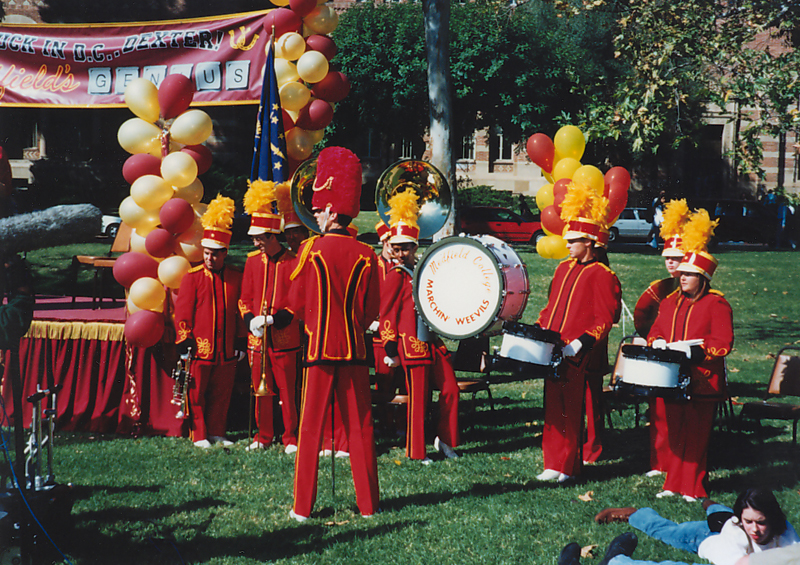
89	65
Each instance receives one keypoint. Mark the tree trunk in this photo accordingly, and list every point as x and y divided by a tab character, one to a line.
437	45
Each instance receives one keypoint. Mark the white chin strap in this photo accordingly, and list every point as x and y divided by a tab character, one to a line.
322	222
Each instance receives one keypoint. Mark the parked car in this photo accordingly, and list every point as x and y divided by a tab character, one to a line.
501	223
633	223
110	225
742	220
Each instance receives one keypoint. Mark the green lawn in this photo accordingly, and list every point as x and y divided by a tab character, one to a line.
160	500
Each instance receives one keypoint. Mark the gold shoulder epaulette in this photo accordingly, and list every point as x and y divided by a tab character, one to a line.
301	261
197	268
717	292
254	253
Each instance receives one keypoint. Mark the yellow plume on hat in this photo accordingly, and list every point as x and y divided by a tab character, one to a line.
404	208
259	196
676	213
219	214
582	201
283	197
698	231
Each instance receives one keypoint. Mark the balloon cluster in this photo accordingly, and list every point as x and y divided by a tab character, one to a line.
560	160
164	208
308	87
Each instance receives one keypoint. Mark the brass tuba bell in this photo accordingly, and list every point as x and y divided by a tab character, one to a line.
302	191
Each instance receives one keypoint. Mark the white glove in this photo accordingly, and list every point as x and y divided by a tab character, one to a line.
573	348
391	362
257	326
269	320
660	343
685	348
373	327
240	355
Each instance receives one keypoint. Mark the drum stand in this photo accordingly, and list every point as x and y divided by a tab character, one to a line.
41	439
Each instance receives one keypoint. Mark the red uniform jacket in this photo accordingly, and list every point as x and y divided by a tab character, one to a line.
335	291
399	319
265	290
711	319
384	267
646	309
206	311
585	300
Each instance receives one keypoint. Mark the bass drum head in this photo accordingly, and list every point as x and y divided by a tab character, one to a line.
458	287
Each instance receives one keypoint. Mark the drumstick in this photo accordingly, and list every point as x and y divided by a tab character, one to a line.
689	342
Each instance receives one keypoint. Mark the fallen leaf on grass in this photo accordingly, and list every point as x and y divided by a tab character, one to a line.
588	551
586	497
733	370
337	523
397	462
505	459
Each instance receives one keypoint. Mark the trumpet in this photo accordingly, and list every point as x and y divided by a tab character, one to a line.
180	389
263	387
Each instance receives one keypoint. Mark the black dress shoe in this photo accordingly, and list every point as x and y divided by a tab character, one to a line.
570	555
624	544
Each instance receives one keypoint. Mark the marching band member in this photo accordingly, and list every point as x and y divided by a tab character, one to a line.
294	231
583	304
335	292
265	293
676	213
424	358
206	320
698	321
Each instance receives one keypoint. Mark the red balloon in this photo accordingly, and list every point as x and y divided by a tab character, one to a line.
552	221
617	182
175	95
132	266
617	175
541	151
160	243
176	217
559	192
288	122
139	165
302	7
333	88
317	114
202	156
323	44
144	328
283	20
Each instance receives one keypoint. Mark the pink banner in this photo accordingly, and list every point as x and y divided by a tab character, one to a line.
89	65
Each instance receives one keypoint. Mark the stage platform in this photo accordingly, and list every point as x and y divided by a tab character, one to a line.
108	386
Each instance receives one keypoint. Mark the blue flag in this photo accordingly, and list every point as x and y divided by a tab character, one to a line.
269	152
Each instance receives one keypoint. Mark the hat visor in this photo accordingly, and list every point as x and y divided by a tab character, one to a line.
212	244
402	239
572	234
672	252
689	268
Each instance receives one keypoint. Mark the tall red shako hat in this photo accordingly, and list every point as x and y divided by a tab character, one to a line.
337	186
260	203
696	234
217	223
676	214
383	231
403	214
585	214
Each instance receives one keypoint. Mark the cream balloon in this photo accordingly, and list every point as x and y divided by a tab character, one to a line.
131	213
316	135
200	209
322	20
285	71
299	144
147	293
138	136
151	191
312	66
179	169
141	96
137	242
290	46
192	193
192	251
148	224
191	128
294	96
172	269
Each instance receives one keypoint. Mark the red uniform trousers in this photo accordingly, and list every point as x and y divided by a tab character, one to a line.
658	434
593	446
352	391
689	430
209	398
563	419
335	438
281	370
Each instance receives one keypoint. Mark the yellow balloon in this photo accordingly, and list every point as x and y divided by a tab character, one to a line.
290	46
569	142
316	135
179	169
589	175
565	168
192	251
285	71
281	2
558	247
191	128
312	66
322	20
133	308
138	136
299	144
294	96
541	247
141	96
172	269
544	197
147	293
148	224
131	213
192	193
548	176
150	192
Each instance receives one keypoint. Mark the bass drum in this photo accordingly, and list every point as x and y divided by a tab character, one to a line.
467	286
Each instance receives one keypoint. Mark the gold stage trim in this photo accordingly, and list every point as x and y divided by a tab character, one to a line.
99	331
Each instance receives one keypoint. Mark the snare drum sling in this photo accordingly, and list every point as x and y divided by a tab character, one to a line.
689	423
584	302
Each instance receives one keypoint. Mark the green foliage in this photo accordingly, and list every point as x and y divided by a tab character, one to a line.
483	195
66	181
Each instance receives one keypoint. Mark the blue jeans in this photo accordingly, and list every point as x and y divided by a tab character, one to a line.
687	536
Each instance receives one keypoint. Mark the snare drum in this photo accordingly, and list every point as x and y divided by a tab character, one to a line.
528	349
647	371
466	286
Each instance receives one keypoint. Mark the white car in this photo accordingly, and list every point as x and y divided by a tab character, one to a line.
631	224
110	225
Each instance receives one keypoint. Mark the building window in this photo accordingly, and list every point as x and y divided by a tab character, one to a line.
500	149
467	152
372	147
406	149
